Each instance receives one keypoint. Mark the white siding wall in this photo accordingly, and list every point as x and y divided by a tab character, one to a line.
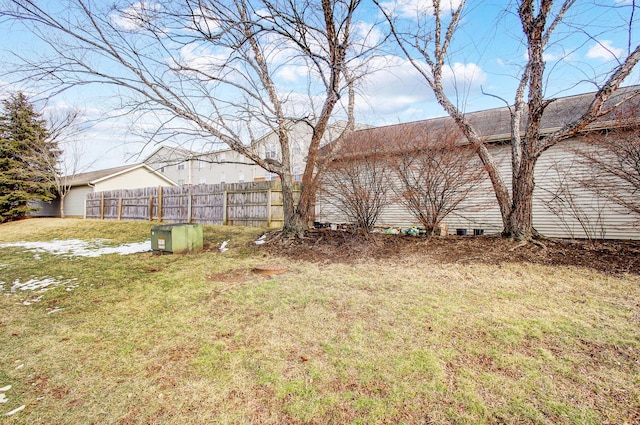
139	177
74	201
564	208
589	216
209	170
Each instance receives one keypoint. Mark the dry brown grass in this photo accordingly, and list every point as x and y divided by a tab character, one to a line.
200	339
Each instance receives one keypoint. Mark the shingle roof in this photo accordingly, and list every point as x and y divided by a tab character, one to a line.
88	177
492	124
94	176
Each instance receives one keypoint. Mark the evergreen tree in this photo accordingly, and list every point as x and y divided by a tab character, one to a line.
25	151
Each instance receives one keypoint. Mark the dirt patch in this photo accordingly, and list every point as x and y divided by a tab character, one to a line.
229	276
327	246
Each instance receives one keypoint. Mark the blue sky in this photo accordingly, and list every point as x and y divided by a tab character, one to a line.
486	55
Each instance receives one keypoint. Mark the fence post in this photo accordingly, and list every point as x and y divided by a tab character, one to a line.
119	209
189	205
269	205
160	204
150	207
224	206
101	205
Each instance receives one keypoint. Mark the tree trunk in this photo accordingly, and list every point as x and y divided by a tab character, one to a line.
62	206
520	225
294	225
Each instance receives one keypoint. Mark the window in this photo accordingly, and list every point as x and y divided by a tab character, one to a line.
296	149
241	178
297	174
270	177
181	166
270	152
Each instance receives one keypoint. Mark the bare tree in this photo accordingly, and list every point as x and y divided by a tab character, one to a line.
427	39
209	69
357	182
436	174
64	129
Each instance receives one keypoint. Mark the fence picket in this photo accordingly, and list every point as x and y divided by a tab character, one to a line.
257	204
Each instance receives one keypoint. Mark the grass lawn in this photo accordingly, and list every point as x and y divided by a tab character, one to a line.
200	339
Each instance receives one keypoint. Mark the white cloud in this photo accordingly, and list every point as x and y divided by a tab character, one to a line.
398	89
366	35
135	16
604	50
292	73
463	76
202	58
417	8
204	21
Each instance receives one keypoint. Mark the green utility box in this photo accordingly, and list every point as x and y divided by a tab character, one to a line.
176	238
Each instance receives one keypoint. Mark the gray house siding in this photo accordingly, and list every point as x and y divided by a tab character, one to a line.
562	208
46	209
74	201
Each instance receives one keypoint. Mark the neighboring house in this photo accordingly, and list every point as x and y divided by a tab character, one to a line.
227	166
561	207
124	177
188	167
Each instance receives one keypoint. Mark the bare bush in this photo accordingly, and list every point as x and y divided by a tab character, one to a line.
613	157
357	184
436	173
580	214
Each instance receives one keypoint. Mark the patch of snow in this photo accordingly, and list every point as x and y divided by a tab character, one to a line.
261	239
223	247
41	284
3	398
77	248
16	410
5	389
36	257
55	310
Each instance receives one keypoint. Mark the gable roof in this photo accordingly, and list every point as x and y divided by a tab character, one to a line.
170	154
494	125
93	177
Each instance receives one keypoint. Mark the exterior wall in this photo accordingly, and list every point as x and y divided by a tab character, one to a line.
74	201
556	213
565	208
224	166
227	166
479	211
139	177
46	209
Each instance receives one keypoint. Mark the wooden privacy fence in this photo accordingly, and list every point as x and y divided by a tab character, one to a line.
257	204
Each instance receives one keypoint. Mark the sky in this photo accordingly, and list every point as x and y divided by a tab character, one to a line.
485	59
